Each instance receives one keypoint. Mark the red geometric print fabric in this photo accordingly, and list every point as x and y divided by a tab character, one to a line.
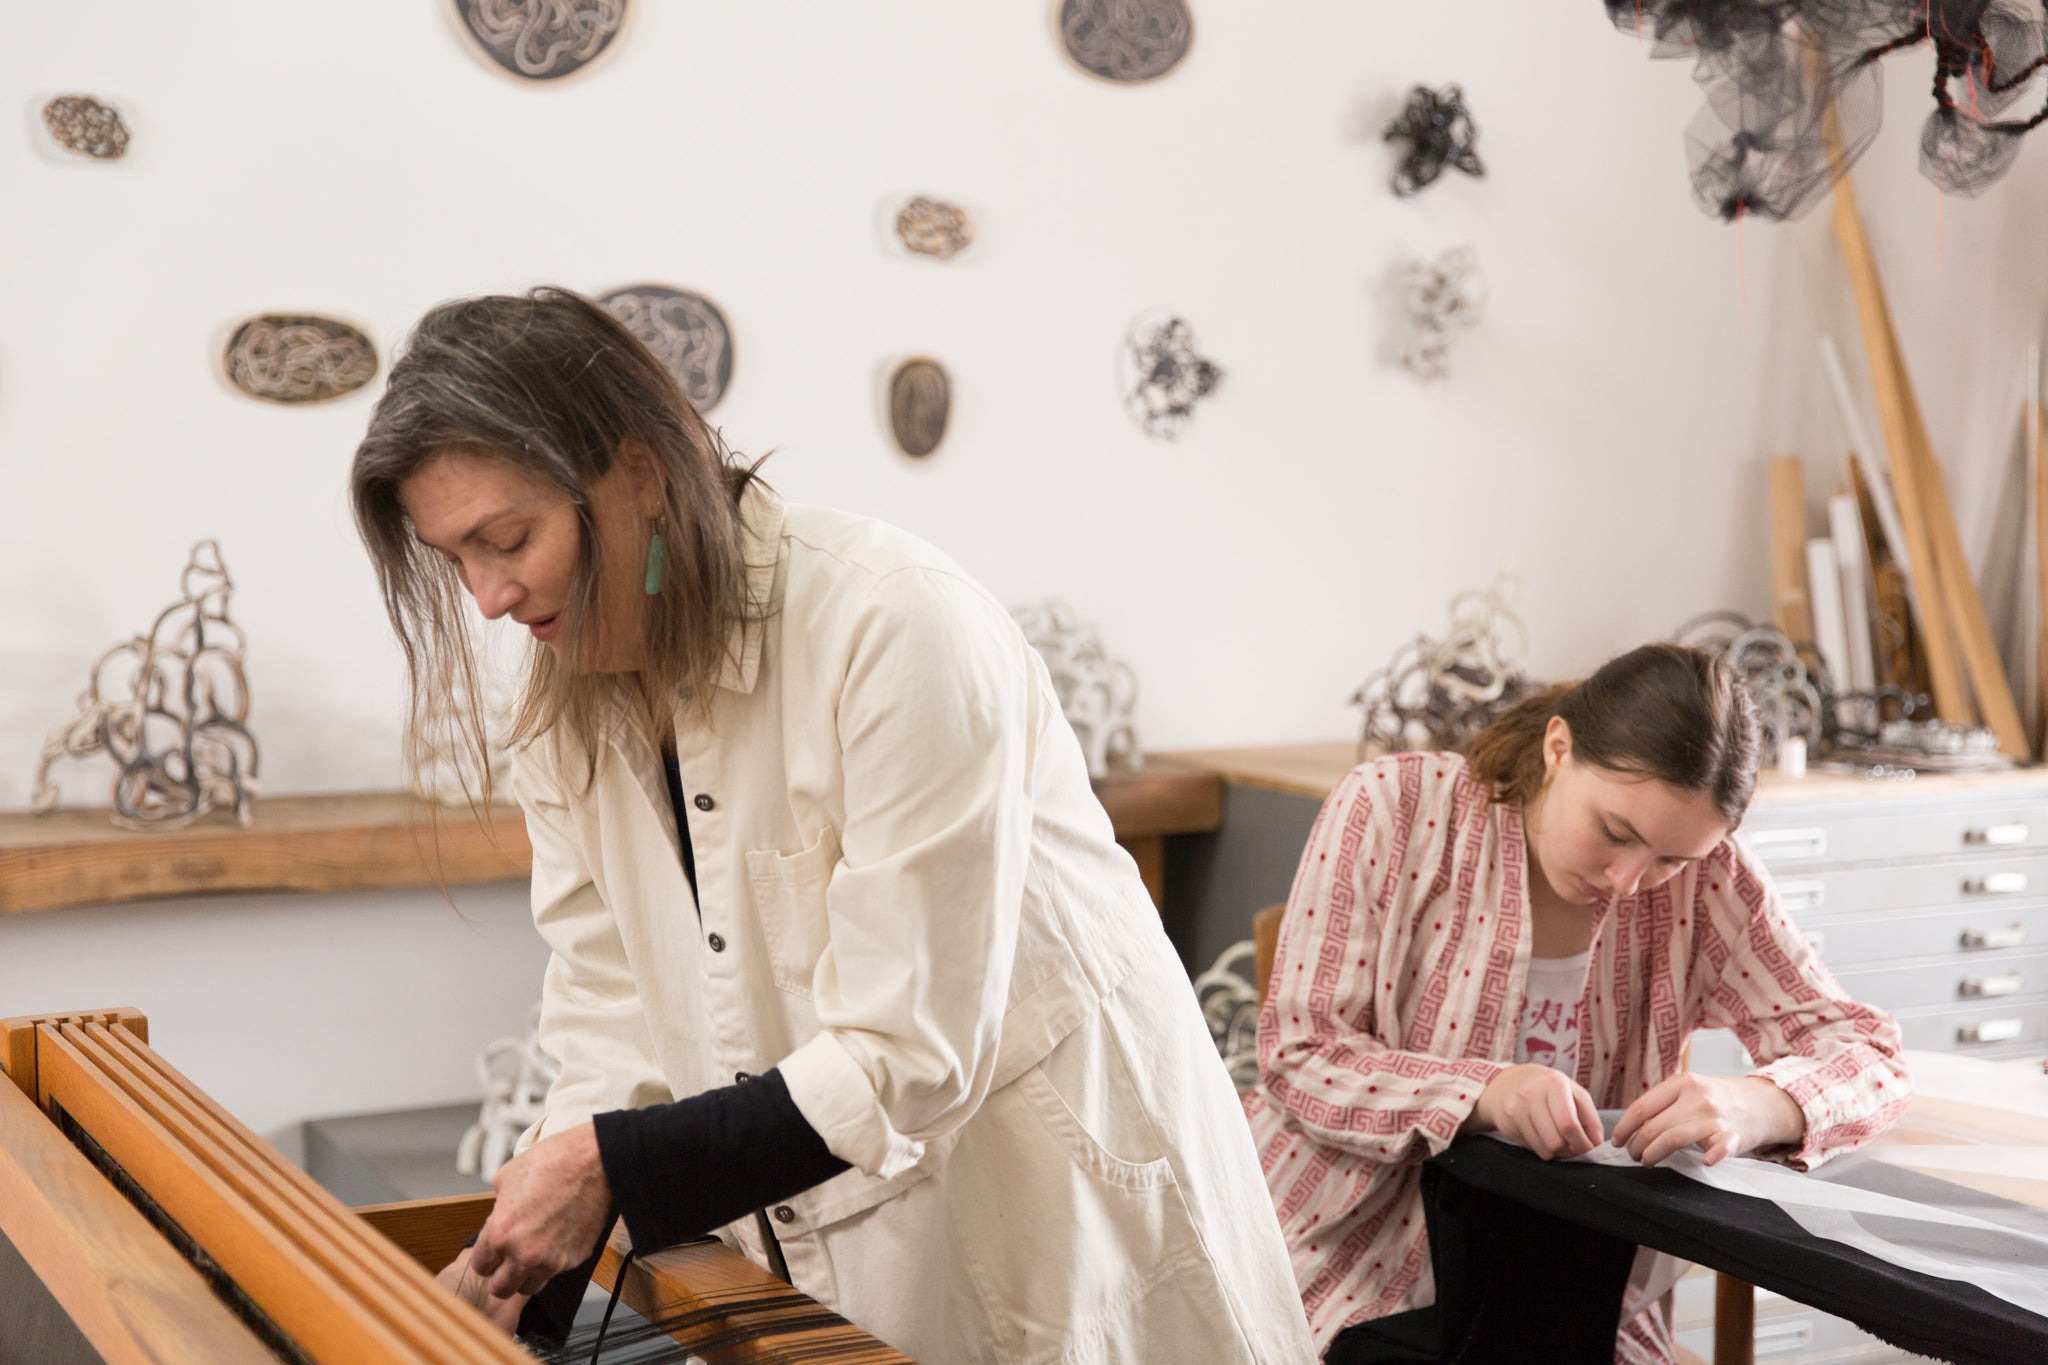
1397	992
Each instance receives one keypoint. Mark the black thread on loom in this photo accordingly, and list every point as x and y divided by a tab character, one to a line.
618	1283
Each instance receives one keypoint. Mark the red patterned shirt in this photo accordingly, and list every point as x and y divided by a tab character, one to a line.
1397	994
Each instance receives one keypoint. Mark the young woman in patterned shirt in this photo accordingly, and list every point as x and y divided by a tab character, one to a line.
1516	939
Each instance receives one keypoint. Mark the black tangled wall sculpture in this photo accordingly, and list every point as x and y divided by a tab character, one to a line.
1794	89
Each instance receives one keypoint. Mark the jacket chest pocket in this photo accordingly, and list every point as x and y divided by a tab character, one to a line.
789	898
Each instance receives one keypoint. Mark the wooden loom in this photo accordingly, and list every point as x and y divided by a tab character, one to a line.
120	1180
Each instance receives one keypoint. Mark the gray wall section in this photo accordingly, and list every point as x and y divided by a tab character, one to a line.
1216	882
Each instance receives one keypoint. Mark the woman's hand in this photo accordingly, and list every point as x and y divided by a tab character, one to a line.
552	1203
1725	1116
458	1279
1544	1110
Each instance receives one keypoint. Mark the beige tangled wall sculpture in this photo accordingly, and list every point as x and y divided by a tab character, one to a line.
170	707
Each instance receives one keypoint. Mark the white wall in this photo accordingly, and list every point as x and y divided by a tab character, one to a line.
1602	435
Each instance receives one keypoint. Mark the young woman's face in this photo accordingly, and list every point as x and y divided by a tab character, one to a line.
514	542
1598	834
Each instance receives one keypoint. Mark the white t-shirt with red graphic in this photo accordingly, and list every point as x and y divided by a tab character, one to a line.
1550	1017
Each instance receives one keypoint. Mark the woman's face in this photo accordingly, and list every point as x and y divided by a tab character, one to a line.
1597	834
514	542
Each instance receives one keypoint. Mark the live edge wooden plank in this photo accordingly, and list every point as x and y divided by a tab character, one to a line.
387	839
297	843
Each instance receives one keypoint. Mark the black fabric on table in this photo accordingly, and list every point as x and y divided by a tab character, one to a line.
1514	1286
1751	1239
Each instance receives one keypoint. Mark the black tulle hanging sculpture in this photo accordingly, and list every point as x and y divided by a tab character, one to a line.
1795	90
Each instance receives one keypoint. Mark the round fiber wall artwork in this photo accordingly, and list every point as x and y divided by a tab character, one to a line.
686	332
1127	41
292	358
920	402
541	40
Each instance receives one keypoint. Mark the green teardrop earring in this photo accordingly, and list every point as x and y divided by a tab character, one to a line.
656	554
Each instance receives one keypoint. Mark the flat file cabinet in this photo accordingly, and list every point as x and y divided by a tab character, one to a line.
1927	898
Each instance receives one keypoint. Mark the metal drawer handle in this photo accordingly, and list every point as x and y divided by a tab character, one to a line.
1800	897
1818	941
2011	983
2012	936
1990	1031
1996	834
1794	843
1995	884
1779	1337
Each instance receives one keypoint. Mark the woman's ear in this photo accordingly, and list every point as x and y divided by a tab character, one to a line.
638	462
1557	745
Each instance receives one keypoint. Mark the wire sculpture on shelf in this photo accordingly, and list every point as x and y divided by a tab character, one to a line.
542	40
934	228
87	127
1795	91
1163	376
1885	731
1097	693
1230	1006
170	708
298	359
514	1074
686	332
1126	41
1443	300
1439	131
1439	694
920	402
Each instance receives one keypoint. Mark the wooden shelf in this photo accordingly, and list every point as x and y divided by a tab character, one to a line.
1314	770
297	843
385	839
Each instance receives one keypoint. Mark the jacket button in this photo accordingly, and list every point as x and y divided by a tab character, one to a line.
717	942
742	1077
784	1214
704	802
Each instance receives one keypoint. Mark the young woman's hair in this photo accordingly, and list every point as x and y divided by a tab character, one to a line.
1682	716
555	386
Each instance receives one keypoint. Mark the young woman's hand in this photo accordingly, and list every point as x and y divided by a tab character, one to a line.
1725	1116
458	1279
1543	1109
552	1203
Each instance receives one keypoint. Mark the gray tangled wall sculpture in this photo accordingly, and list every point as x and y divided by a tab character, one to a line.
1795	91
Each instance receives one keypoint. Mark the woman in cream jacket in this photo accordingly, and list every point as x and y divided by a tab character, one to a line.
846	964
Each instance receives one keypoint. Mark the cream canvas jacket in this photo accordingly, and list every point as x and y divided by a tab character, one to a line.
909	898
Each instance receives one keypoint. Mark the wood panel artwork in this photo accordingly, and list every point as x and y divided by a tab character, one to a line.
1951	609
687	332
1794	610
920	402
298	358
1126	41
541	40
86	127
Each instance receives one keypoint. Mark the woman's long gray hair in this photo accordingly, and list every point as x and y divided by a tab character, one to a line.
556	386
